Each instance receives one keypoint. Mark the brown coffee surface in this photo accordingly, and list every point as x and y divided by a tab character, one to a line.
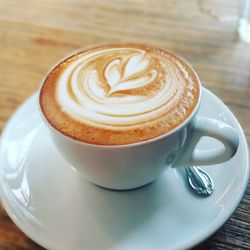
119	94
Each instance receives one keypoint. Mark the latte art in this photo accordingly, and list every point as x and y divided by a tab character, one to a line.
115	93
101	88
125	80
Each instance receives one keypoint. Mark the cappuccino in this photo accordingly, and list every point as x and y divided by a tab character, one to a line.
119	94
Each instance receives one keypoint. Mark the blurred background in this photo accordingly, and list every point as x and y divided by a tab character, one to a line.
34	35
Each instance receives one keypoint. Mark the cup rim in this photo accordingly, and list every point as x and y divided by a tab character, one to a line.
134	144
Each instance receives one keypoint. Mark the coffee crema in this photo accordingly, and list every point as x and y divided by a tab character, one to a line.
119	94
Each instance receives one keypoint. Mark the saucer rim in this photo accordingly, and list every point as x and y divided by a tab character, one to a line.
206	233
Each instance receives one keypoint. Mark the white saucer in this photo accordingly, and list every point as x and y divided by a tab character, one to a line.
59	210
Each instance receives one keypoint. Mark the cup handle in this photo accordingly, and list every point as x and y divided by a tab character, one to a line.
204	126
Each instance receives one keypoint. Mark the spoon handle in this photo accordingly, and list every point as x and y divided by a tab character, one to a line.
200	182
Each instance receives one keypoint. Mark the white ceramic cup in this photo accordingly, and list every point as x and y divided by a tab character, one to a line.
130	166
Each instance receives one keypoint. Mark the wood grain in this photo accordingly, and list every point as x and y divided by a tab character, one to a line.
34	35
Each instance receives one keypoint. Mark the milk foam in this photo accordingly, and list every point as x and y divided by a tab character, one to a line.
123	88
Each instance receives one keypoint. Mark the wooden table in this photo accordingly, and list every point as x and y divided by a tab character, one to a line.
36	34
